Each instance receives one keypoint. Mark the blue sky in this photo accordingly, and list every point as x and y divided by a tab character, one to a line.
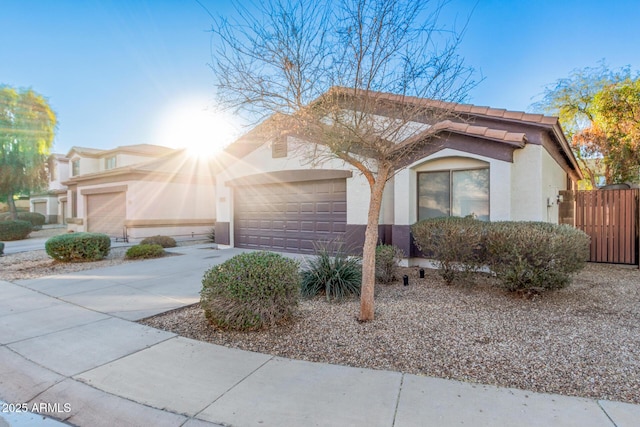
119	72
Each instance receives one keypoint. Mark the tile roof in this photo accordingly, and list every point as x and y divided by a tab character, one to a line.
517	139
463	108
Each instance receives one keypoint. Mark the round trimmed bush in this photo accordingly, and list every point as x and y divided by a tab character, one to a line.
456	244
144	251
535	256
387	260
251	291
36	219
78	247
15	230
164	241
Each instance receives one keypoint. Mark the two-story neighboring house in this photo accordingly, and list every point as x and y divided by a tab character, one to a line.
51	203
138	191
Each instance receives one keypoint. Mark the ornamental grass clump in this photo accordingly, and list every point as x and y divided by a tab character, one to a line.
455	244
78	247
331	273
251	291
535	256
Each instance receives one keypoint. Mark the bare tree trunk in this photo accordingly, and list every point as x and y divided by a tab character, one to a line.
12	206
367	307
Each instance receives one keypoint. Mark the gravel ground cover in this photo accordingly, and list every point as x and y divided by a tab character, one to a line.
582	341
579	341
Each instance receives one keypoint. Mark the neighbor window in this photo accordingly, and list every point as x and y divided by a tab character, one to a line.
279	149
454	193
110	162
75	167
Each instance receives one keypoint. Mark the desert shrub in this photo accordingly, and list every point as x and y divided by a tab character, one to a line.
144	251
251	291
164	241
36	219
387	259
1	248
333	273
14	230
535	256
78	247
455	244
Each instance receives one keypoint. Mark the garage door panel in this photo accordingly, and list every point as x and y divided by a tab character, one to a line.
106	213
293	215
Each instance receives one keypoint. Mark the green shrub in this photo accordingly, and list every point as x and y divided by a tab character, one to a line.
1	248
387	259
164	241
333	273
456	245
535	256
36	219
251	291
144	251
14	230
78	247
211	236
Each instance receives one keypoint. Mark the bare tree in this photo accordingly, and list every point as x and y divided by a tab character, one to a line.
366	81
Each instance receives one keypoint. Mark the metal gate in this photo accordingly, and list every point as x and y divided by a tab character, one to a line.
610	218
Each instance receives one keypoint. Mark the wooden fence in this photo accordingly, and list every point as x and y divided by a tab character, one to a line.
610	218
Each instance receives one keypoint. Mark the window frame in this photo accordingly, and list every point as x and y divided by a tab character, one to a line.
451	171
108	160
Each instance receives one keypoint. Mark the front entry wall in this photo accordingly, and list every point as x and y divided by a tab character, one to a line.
290	216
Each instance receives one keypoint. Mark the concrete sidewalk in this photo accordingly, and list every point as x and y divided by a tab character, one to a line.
69	349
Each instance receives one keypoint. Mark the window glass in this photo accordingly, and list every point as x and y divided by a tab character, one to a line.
75	167
433	195
470	193
453	193
110	162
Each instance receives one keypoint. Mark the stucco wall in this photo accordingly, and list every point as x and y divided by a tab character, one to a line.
154	200
554	179
526	203
405	185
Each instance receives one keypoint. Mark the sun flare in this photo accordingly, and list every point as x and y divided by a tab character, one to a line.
192	125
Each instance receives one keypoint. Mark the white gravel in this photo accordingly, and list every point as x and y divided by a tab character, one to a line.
580	341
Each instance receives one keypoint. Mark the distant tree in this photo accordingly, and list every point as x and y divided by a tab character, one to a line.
27	127
617	118
598	109
320	70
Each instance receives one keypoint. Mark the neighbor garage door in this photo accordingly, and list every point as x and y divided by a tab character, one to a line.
290	217
40	207
106	213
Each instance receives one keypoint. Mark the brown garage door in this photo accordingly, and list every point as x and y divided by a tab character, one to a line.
106	213
290	217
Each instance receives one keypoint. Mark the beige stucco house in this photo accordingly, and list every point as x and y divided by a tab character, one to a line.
130	192
491	163
133	198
